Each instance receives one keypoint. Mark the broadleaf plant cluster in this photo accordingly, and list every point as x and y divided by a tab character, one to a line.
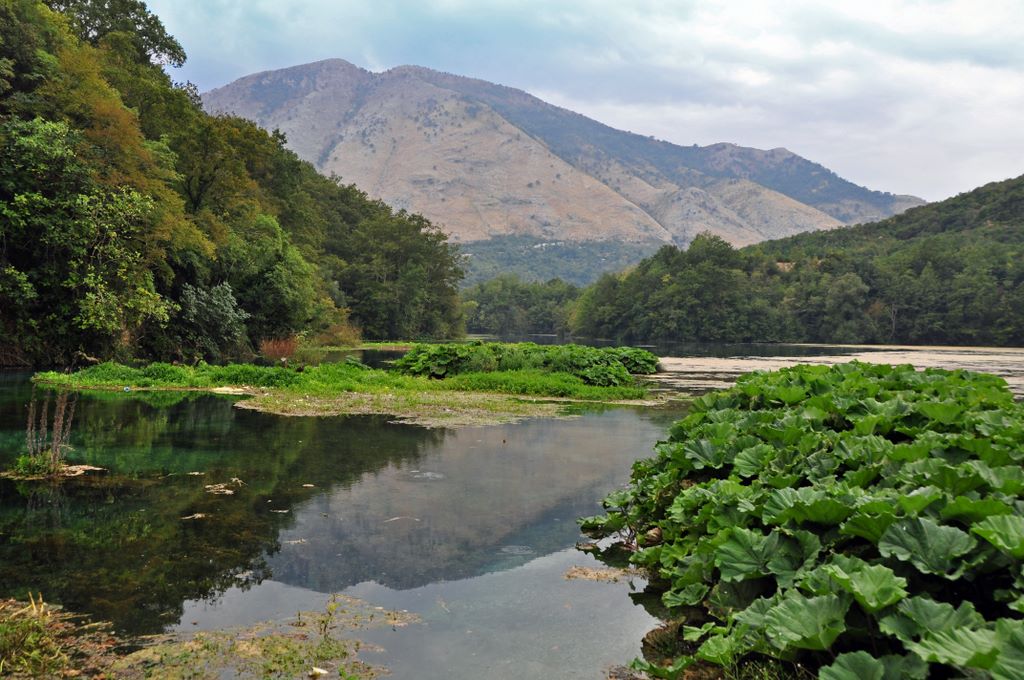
866	521
604	366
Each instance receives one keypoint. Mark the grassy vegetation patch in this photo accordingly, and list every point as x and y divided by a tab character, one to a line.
38	641
540	384
163	375
859	520
313	644
433	408
465	397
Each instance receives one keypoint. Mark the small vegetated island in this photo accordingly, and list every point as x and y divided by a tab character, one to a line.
432	384
849	522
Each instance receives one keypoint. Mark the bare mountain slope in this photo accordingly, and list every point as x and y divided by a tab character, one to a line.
483	160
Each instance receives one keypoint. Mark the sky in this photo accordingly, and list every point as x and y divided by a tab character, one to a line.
922	97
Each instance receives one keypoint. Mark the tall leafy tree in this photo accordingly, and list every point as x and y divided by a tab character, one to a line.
94	20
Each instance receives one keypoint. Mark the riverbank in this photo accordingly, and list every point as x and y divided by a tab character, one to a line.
466	399
699	374
38	640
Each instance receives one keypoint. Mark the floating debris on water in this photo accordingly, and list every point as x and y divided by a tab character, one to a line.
76	470
603	574
222	489
433	476
517	550
198	515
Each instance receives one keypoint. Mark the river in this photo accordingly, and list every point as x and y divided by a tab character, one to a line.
472	530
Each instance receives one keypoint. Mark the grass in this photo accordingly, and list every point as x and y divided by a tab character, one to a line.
39	641
349	387
277	349
385	346
270	649
539	383
27	642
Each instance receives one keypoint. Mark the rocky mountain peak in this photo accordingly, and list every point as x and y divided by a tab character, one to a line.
484	160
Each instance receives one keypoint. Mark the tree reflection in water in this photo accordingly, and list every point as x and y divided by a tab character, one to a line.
133	544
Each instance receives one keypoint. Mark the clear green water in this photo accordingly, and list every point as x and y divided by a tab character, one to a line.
472	529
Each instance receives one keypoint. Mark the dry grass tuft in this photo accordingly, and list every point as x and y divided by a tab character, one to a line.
277	349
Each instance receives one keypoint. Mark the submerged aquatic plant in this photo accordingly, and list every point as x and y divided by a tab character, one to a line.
46	441
865	521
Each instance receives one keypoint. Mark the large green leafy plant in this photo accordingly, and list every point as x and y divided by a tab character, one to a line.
607	366
864	520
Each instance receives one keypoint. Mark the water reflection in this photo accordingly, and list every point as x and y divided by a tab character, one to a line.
133	544
489	498
321	504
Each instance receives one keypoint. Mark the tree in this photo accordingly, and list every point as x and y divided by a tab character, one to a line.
845	307
94	20
210	325
507	306
70	249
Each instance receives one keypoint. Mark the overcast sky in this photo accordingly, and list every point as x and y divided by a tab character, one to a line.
923	97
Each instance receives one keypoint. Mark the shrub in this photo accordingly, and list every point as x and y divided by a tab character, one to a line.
166	374
277	349
248	374
602	367
863	520
211	324
637	361
342	334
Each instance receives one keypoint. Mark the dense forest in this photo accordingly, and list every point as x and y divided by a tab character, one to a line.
533	259
507	306
134	223
949	272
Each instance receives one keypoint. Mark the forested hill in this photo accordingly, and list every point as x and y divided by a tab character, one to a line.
995	211
133	223
950	272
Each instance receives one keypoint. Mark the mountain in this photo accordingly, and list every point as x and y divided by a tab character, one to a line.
485	161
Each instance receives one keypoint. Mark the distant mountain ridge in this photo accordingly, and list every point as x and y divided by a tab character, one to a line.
483	160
